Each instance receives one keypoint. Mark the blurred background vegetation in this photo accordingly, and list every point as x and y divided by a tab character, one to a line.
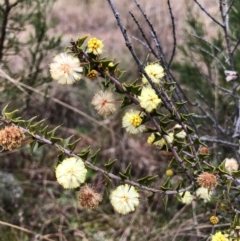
32	32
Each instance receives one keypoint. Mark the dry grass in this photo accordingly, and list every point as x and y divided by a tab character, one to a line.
77	18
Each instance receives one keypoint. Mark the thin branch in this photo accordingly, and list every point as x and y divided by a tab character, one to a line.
156	40
212	118
214	46
208	14
229	7
88	163
118	84
211	139
173	33
235	47
25	230
144	36
237	126
4	27
141	42
226	35
137	60
210	54
228	92
178	89
163	95
195	220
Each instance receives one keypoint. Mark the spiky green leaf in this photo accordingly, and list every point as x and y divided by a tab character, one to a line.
165	201
84	154
126	101
110	164
72	146
80	41
36	126
52	132
94	156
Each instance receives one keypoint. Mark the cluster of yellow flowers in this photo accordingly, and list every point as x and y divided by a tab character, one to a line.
67	69
148	100
71	173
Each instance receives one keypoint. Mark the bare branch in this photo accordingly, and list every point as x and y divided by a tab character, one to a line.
229	7
173	33
214	46
4	27
215	140
208	14
148	45
210	54
212	117
235	47
237	127
88	163
226	35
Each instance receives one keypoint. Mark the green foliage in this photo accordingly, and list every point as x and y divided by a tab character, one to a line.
24	45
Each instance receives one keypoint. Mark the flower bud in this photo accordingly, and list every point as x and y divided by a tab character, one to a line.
214	219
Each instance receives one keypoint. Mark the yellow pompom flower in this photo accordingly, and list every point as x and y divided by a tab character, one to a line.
71	172
214	219
95	46
187	198
169	172
155	73
132	121
124	199
65	69
92	75
219	237
148	99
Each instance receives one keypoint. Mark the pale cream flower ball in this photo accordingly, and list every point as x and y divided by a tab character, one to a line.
124	199
71	172
231	164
